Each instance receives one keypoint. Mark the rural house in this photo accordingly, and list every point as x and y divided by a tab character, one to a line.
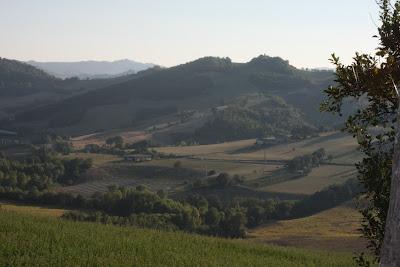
8	138
138	157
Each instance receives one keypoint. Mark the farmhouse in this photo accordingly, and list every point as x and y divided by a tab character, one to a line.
8	138
269	140
138	157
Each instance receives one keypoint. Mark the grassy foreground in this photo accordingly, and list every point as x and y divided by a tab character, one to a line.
29	240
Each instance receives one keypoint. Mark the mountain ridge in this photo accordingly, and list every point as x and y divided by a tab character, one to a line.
91	68
198	85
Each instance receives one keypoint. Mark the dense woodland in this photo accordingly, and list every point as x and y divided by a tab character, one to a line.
18	79
254	116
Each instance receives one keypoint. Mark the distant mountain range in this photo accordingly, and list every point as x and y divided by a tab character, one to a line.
91	69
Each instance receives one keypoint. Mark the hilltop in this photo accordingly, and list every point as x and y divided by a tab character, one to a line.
17	78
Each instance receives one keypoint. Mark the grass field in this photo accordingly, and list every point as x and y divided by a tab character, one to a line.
99	138
207	149
32	210
342	147
318	179
28	240
246	169
334	229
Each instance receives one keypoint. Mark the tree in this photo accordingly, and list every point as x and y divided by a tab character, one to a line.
178	164
370	81
223	179
117	141
63	147
212	217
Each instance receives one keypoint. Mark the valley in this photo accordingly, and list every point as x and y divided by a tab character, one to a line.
210	147
200	133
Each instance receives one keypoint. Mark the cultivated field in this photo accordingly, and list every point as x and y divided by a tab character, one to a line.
318	179
28	240
334	230
235	158
31	210
98	159
342	147
100	138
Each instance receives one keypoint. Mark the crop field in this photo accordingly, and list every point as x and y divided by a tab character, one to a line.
318	179
337	144
246	169
99	138
102	186
31	210
213	149
235	158
342	147
334	229
43	241
98	159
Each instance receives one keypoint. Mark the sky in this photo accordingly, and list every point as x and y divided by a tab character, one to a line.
171	32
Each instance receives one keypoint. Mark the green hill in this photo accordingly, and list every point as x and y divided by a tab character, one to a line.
24	88
17	79
28	240
199	85
253	116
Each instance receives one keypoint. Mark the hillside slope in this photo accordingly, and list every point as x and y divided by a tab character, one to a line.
42	241
199	85
24	87
17	78
336	229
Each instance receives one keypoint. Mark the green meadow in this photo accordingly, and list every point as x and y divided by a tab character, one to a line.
30	240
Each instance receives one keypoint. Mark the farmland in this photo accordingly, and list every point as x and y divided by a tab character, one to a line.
235	158
335	229
44	241
318	179
31	210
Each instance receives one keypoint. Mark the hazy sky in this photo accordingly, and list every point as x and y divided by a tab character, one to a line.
169	32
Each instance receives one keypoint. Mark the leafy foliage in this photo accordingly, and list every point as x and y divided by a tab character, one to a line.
370	82
41	172
307	162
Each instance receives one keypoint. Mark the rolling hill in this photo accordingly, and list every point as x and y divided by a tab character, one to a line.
25	87
17	79
199	85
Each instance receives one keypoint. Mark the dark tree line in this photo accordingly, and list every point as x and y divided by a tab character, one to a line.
199	214
306	163
40	172
221	180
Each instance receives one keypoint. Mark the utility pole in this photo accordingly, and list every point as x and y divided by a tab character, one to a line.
265	158
205	167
